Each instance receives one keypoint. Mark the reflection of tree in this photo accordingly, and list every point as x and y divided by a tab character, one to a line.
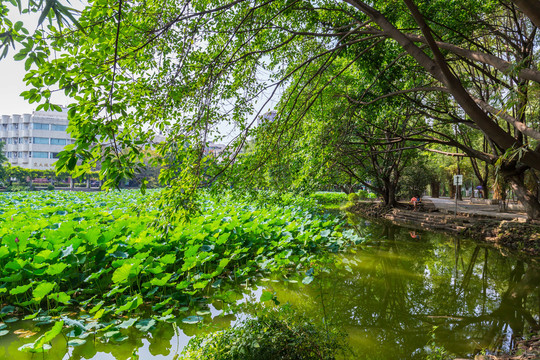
399	288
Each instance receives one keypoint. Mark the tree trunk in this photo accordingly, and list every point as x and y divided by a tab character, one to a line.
526	197
389	193
435	189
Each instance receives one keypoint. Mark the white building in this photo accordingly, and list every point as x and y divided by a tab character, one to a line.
33	141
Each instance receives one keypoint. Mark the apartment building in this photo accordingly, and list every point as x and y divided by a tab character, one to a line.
33	141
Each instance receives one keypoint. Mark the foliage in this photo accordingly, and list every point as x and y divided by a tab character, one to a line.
435	352
353	197
329	198
274	334
3	165
97	251
415	179
390	88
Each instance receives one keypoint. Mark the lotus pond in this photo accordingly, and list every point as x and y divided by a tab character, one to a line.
85	277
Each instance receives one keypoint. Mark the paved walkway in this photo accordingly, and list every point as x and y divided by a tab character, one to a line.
466	207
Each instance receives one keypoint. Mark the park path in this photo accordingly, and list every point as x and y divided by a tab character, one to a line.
466	207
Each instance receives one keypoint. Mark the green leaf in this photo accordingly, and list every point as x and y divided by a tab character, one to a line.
267	295
76	342
60	297
30	348
162	281
7	309
49	335
194	319
145	325
96	307
121	274
131	305
56	269
42	290
128	323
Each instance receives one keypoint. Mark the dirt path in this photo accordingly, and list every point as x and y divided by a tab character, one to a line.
448	205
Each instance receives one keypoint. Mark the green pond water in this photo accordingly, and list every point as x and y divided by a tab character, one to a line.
399	296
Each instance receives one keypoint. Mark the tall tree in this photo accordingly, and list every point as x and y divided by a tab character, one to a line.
187	67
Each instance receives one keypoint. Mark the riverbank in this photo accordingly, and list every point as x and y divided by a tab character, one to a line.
502	230
525	350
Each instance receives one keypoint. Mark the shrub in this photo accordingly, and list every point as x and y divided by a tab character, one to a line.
353	197
274	335
17	188
50	187
363	194
328	198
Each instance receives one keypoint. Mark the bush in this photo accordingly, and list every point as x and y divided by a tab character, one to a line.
353	197
363	194
50	187
274	335
17	188
328	198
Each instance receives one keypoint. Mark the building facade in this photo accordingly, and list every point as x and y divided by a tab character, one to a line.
33	141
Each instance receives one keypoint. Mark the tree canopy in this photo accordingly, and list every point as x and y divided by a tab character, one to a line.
437	74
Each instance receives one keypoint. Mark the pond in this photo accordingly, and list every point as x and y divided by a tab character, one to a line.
401	295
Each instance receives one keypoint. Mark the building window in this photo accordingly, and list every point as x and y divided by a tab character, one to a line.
10	141
55	127
55	155
13	126
58	141
39	154
26	126
41	140
40	126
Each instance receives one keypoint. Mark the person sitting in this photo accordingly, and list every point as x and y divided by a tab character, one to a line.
414	202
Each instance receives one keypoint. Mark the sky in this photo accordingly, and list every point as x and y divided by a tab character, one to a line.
13	74
13	85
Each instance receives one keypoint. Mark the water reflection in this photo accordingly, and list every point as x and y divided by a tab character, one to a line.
390	295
